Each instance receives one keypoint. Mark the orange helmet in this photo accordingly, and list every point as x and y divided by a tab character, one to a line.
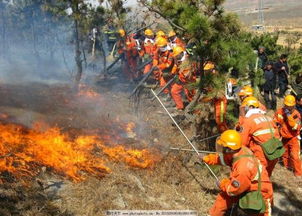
289	100
161	42
122	32
160	33
148	32
246	91
251	101
172	34
177	50
230	139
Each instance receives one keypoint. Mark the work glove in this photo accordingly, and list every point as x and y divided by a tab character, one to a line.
211	159
291	121
146	57
277	91
223	184
166	76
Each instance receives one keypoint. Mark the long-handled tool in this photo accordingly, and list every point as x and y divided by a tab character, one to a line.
113	63
164	87
188	140
145	77
191	150
207	138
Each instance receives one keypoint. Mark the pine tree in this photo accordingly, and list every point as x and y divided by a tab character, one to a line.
217	35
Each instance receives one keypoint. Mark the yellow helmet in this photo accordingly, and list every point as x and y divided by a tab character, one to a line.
251	101
209	66
161	42
172	34
177	50
160	33
230	139
149	32
246	91
289	100
122	32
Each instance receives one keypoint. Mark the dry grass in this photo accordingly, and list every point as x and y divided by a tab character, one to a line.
176	182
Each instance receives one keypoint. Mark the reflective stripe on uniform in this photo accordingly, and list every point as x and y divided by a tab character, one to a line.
221	111
262	132
269	207
295	127
280	116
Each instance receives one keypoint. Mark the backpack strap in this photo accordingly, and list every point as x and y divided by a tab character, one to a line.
270	128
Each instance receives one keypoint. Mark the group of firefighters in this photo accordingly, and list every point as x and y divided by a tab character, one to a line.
251	149
168	60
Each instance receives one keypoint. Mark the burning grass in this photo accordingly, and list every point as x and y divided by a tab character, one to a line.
24	151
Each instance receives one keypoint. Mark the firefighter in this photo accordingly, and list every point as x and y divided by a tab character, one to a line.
256	129
246	91
148	49
163	60
220	102
121	49
127	47
184	72
174	40
160	33
246	174
111	37
288	120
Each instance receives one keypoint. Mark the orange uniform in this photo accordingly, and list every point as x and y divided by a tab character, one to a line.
289	127
186	74
147	51
243	178
256	131
127	47
177	42
220	105
164	61
241	114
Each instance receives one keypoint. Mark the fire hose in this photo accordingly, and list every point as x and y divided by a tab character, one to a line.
188	140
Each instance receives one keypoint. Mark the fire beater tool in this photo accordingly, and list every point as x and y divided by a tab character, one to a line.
164	87
188	140
145	77
114	62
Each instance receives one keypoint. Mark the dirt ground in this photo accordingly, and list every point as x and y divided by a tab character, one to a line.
176	181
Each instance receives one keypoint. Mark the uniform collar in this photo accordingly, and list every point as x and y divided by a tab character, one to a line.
254	111
148	40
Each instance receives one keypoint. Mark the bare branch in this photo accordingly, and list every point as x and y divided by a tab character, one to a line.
162	15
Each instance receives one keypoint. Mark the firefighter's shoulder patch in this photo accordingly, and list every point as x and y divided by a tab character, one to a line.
235	183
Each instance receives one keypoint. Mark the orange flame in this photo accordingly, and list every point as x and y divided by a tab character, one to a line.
88	92
130	129
23	151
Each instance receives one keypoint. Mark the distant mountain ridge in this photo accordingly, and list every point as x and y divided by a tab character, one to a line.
238	4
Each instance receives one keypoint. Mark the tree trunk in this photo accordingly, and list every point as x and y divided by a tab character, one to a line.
4	44
77	53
